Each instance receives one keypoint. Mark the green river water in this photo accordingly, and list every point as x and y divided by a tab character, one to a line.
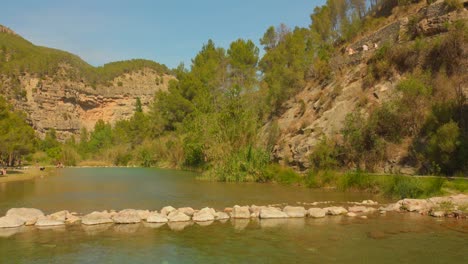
390	238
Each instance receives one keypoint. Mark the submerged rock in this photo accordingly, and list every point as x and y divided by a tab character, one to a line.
272	212
96	218
295	211
10	221
156	217
127	216
29	216
240	212
316	212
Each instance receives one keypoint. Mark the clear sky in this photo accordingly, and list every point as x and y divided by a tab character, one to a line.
170	31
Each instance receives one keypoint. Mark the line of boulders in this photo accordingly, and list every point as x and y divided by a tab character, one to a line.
17	217
455	206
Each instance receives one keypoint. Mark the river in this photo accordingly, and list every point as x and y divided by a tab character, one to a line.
405	238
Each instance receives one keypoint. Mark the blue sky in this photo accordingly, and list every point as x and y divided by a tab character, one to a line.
169	32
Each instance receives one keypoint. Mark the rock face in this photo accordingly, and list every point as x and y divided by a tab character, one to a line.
316	212
293	211
96	218
240	212
272	212
29	216
127	216
10	222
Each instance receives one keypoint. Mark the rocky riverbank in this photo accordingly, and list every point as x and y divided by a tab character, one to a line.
450	206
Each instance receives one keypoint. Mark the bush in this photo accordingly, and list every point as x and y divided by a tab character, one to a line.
283	175
324	155
356	180
454	4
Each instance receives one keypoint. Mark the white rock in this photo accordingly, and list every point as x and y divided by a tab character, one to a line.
186	210
437	213
127	216
167	210
72	219
295	211
316	212
28	215
48	222
176	216
221	216
205	214
59	216
143	214
272	212
10	221
96	218
351	214
413	205
335	210
156	218
240	212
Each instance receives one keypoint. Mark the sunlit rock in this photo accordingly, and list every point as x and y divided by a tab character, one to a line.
10	221
176	216
28	215
127	216
316	212
295	211
240	212
167	210
156	217
96	218
272	212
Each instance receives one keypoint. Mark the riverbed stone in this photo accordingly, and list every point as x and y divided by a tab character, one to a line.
335	210
205	214
316	212
413	205
221	216
351	214
96	218
45	222
59	216
240	212
438	213
28	215
143	214
72	219
176	216
187	210
272	212
156	217
167	210
127	216
10	221
295	211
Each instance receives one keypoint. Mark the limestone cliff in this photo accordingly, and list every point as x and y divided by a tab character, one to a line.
320	109
58	90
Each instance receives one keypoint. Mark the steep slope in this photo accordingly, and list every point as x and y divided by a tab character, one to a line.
320	109
59	90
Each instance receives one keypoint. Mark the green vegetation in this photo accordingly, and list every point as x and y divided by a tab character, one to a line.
18	56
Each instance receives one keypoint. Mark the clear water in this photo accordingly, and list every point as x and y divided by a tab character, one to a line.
404	238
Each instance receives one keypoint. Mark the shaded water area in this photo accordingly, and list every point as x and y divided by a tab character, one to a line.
405	238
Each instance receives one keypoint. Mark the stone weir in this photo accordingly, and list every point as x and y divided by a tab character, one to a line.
450	206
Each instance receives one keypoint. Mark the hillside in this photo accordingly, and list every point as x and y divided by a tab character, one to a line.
319	111
59	90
